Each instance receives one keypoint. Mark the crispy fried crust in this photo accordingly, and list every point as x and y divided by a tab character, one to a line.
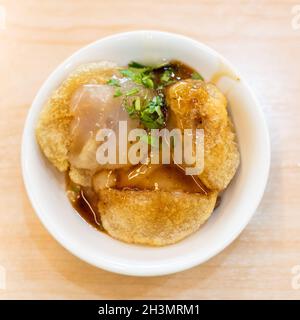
195	104
81	176
52	130
154	218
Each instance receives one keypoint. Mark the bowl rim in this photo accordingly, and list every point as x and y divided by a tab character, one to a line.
109	265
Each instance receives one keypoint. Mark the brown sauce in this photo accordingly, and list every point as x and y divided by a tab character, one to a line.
159	177
84	201
179	71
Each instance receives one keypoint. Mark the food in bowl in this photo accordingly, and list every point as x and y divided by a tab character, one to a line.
139	202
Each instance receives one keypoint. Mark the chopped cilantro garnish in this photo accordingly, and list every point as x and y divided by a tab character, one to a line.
148	82
134	64
118	93
141	74
114	82
152	116
131	111
132	91
148	111
137	104
197	76
167	77
129	74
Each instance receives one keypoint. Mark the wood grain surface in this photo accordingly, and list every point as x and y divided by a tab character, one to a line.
258	37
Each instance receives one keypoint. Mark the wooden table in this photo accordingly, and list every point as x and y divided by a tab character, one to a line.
257	36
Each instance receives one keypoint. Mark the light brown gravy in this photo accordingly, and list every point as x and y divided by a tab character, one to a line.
159	177
85	202
170	178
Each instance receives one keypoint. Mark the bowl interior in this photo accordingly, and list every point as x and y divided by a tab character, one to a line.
46	187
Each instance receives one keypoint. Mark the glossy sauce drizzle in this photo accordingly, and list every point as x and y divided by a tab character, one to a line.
85	201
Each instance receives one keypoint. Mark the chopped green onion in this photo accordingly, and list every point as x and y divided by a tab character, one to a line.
132	91
137	104
148	82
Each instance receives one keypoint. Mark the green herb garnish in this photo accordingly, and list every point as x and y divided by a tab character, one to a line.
118	93
129	73
148	82
197	76
166	76
137	104
114	82
141	74
132	92
152	116
148	111
134	64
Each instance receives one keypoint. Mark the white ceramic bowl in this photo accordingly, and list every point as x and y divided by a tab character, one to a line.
45	186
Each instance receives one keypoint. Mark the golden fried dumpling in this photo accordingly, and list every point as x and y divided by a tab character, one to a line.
53	128
196	104
154	218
